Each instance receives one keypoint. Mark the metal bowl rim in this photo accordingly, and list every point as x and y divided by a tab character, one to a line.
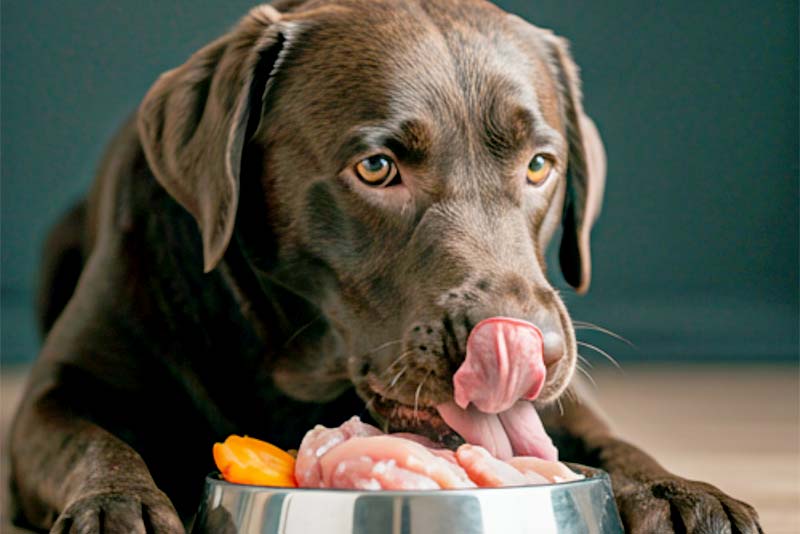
215	479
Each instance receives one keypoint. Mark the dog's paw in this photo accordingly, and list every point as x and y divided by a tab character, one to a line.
139	512
673	504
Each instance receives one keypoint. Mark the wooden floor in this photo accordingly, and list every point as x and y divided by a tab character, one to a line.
735	426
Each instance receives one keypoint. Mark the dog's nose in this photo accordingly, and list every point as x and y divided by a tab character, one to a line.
552	348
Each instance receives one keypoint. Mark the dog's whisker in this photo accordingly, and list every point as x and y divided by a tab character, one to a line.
397	377
602	352
560	406
588	376
368	405
385	426
301	330
396	361
574	396
570	395
585	361
416	395
584	325
382	346
370	402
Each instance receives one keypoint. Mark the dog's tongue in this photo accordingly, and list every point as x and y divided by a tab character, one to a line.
504	364
516	432
503	370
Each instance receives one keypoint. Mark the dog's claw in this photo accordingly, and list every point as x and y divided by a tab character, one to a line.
673	504
118	512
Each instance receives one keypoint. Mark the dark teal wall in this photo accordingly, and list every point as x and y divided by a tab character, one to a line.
696	254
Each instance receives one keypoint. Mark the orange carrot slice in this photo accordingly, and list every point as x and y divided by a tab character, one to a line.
245	460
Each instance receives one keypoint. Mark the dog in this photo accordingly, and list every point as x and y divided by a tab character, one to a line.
370	180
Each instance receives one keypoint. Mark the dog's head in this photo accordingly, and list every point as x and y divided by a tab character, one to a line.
410	162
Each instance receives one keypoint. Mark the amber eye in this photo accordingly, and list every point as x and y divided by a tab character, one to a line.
539	169
377	171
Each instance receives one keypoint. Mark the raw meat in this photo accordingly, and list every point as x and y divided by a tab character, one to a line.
318	441
397	454
359	456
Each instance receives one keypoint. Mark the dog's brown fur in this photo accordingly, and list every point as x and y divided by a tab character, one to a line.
307	296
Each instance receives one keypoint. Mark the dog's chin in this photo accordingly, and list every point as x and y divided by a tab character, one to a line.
394	416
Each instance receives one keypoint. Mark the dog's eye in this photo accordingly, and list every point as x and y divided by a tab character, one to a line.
377	171
539	169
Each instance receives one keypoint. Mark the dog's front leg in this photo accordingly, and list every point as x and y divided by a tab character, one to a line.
93	392
650	498
71	475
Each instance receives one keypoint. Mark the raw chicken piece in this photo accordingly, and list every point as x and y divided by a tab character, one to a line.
403	453
447	454
375	467
364	473
551	471
359	456
486	470
319	441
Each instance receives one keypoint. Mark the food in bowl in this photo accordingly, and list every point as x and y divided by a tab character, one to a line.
246	460
359	456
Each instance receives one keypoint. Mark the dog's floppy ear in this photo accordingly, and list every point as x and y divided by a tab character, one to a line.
586	170
194	121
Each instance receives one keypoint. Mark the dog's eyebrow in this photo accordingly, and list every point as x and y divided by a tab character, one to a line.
508	133
410	141
416	139
544	136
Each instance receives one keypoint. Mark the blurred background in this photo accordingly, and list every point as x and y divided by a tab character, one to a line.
695	255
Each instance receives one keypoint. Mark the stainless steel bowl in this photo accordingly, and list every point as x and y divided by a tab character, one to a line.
583	506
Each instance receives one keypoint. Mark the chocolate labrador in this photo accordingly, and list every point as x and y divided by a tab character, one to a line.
370	180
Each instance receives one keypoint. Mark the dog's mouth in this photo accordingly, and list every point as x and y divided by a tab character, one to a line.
396	417
517	431
493	390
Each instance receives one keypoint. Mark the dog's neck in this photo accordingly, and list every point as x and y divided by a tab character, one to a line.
304	353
